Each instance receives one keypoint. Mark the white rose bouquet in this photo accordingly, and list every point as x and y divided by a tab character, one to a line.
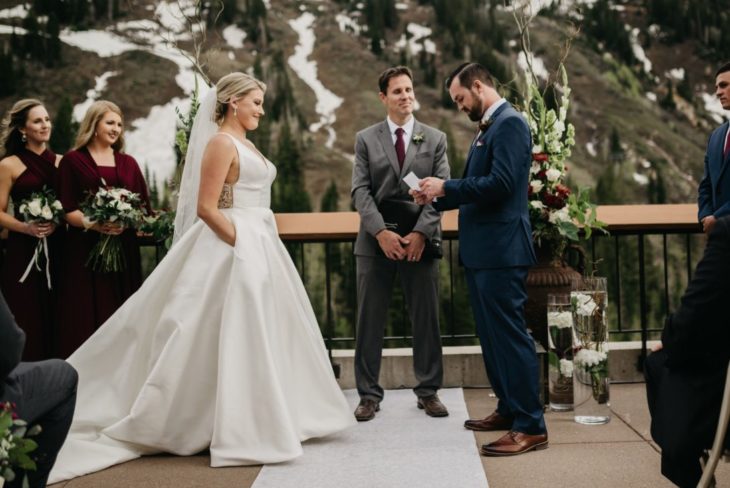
15	447
117	206
41	207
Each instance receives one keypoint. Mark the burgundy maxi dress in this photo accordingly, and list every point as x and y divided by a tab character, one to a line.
87	297
32	303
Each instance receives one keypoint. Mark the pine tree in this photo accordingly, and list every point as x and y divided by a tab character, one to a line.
7	74
330	199
64	127
53	43
454	155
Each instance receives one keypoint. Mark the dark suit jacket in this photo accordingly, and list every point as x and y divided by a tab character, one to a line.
697	335
714	192
494	223
12	340
376	176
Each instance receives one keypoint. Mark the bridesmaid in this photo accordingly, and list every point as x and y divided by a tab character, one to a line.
26	166
88	297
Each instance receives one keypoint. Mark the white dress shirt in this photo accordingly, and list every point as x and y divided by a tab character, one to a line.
407	131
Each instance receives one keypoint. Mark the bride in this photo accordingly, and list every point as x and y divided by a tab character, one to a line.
219	348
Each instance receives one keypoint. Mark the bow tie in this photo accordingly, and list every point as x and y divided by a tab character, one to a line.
483	126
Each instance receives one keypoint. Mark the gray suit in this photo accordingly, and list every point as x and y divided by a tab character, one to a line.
376	176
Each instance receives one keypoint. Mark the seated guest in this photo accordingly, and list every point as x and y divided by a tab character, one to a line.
44	393
685	375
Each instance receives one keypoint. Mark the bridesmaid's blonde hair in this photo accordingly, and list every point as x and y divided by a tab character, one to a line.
96	112
233	85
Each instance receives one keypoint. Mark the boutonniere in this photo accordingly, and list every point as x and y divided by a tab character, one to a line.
483	126
418	138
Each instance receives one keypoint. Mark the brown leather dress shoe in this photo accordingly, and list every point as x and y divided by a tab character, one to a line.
366	410
432	406
491	422
513	443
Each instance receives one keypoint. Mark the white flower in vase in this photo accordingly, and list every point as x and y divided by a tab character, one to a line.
566	368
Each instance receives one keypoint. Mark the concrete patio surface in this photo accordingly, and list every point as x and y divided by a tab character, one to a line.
618	454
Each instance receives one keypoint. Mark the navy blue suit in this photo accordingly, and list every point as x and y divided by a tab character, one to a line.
495	247
714	192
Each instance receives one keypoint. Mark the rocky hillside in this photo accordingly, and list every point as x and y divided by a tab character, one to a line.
642	95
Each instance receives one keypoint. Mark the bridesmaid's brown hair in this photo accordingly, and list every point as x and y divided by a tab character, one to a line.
96	112
11	140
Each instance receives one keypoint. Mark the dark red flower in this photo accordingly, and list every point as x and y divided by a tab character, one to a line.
554	200
539	156
562	190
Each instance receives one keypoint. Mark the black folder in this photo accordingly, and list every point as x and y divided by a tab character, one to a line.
400	216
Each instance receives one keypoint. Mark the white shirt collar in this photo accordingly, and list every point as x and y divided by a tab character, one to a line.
493	108
407	127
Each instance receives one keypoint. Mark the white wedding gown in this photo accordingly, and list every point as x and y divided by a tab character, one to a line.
218	349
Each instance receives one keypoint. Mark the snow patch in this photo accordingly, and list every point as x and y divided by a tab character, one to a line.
104	44
234	36
418	39
638	51
17	12
93	95
646	164
642	180
538	65
676	73
401	6
9	29
651	96
348	24
327	102
714	108
591	148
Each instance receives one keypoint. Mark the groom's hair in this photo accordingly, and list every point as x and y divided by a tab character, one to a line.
467	73
724	68
389	73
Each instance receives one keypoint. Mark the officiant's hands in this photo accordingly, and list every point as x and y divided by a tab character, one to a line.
431	188
392	244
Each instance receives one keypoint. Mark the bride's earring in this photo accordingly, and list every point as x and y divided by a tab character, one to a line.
235	112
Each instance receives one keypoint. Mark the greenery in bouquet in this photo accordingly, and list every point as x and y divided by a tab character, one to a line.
40	207
160	226
557	214
15	447
117	206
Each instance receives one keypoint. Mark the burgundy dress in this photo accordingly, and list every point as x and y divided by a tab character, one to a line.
88	298
31	302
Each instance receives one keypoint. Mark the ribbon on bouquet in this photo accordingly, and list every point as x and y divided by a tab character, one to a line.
41	247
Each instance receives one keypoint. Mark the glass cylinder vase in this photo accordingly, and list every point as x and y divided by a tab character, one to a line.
589	300
560	351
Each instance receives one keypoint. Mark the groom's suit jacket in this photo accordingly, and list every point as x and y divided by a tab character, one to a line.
494	223
376	176
714	191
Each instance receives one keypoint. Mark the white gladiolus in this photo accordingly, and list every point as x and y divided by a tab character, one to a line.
562	215
561	320
566	368
537	148
535	168
552	174
536	185
537	204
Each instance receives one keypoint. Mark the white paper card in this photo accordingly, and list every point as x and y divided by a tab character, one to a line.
412	181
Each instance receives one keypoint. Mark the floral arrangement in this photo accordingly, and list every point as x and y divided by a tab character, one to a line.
591	358
41	207
556	213
560	354
116	206
160	226
15	447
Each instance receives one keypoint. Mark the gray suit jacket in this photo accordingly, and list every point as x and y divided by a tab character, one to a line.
376	176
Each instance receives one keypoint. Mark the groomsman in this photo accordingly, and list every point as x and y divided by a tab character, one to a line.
713	197
495	246
384	154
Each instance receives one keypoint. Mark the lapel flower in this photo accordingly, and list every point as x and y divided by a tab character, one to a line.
483	126
418	138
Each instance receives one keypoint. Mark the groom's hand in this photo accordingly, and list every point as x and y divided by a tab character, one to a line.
414	249
391	244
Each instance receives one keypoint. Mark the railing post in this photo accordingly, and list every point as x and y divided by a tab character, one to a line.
329	324
642	303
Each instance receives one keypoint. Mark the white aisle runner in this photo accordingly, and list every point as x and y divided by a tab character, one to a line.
402	447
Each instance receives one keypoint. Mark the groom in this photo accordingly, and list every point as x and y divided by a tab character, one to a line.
384	154
495	247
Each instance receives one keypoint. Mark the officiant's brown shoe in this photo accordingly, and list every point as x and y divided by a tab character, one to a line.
491	422
432	406
513	443
366	410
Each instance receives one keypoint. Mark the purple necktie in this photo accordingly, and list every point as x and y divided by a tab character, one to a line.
400	146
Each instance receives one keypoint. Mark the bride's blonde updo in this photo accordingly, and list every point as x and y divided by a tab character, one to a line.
233	85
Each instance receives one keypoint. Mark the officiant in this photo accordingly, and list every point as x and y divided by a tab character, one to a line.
397	238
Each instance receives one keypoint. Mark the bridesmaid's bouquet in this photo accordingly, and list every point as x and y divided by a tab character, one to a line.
115	206
15	448
40	208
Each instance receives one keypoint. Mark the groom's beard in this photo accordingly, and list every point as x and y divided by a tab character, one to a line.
476	112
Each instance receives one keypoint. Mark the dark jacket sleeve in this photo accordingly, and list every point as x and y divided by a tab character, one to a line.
697	334
12	340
